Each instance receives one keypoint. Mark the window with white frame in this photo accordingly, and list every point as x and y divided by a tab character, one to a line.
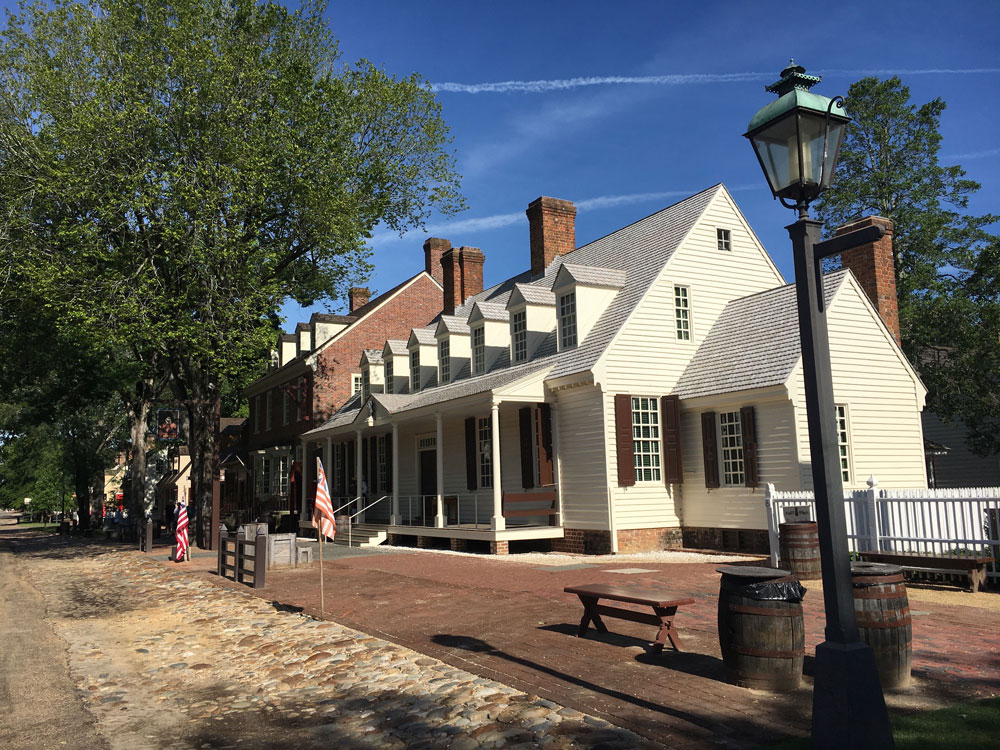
388	374
414	371
383	476
444	361
843	444
731	443
724	238
646	438
519	335
267	411
355	383
567	320
366	383
286	406
265	475
682	313
479	350
282	477
485	452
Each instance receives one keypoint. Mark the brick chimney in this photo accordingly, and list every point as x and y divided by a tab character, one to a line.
874	269
471	260
552	225
359	296
434	248
451	280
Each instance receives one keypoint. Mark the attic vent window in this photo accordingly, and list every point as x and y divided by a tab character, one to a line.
724	236
567	321
519	335
478	350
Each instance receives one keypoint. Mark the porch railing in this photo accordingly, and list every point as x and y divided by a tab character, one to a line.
350	519
943	521
468	510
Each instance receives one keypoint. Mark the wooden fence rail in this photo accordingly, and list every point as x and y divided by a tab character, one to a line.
240	551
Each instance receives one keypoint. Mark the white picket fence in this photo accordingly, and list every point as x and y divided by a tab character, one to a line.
945	521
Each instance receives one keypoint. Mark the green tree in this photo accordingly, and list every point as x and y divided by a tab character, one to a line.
889	166
180	169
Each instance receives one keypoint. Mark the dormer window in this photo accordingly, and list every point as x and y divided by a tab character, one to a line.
388	374
519	335
725	239
414	370
567	321
478	350
355	383
444	362
366	384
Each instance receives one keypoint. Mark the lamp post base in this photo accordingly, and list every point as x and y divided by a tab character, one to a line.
848	706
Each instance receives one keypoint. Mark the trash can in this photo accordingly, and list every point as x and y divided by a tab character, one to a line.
798	545
761	631
883	614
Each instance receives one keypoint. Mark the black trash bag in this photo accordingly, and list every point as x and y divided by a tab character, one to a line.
774	591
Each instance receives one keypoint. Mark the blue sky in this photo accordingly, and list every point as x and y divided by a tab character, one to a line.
623	150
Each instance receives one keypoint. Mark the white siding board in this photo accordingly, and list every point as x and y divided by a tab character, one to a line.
582	470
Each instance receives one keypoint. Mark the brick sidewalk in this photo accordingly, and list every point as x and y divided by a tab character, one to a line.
513	623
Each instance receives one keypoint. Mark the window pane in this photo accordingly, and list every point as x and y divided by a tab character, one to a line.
646	433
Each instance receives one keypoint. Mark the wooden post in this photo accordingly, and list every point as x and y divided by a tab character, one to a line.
259	560
222	551
772	523
149	536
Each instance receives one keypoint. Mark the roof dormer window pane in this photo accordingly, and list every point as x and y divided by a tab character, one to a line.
414	371
444	361
388	374
478	350
366	384
567	320
519	335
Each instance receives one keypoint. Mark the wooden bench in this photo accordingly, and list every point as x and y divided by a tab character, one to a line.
927	562
664	609
518	499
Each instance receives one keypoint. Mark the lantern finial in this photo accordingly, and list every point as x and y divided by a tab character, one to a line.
793	77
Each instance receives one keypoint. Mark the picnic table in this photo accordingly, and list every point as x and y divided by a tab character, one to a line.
662	602
974	566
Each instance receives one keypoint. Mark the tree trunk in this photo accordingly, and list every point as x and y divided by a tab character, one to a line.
138	414
203	418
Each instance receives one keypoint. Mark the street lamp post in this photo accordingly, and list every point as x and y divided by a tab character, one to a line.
797	139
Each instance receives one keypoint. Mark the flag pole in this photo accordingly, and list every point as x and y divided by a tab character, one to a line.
322	612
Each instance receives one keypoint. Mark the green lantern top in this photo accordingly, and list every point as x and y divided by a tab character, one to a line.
793	91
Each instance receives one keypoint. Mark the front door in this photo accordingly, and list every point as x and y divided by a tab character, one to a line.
428	486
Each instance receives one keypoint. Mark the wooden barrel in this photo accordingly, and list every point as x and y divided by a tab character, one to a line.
883	614
763	642
798	545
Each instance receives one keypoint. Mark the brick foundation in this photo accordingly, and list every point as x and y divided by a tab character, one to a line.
499	548
459	545
584	542
424	542
730	540
648	540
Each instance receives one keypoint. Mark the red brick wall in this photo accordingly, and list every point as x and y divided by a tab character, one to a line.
413	307
649	540
451	280
279	433
471	261
873	266
434	248
583	542
552	228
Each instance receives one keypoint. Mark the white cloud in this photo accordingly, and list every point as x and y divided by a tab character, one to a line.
973	155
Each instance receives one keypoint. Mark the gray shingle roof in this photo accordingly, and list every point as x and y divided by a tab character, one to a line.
397	347
424	336
596	276
493	311
372	356
453	324
536	294
754	343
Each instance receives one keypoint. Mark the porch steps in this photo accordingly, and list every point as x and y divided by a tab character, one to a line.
362	535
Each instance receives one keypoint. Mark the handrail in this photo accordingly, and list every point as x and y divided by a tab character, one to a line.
349	502
350	519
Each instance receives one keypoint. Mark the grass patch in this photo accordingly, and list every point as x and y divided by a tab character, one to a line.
964	726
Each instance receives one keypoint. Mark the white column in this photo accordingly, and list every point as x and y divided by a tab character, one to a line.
395	476
439	454
359	464
497	523
556	463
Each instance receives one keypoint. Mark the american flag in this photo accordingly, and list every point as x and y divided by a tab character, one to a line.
323	509
182	534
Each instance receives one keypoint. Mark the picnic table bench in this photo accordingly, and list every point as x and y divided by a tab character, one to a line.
662	602
928	562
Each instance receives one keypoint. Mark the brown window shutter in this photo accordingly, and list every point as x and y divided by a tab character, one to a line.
471	454
623	439
527	448
388	462
670	415
546	475
749	424
709	449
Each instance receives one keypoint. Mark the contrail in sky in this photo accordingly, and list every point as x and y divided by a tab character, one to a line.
679	79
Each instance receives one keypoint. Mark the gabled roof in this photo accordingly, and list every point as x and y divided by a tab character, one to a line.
422	336
754	343
591	276
371	356
452	324
396	347
533	294
489	311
